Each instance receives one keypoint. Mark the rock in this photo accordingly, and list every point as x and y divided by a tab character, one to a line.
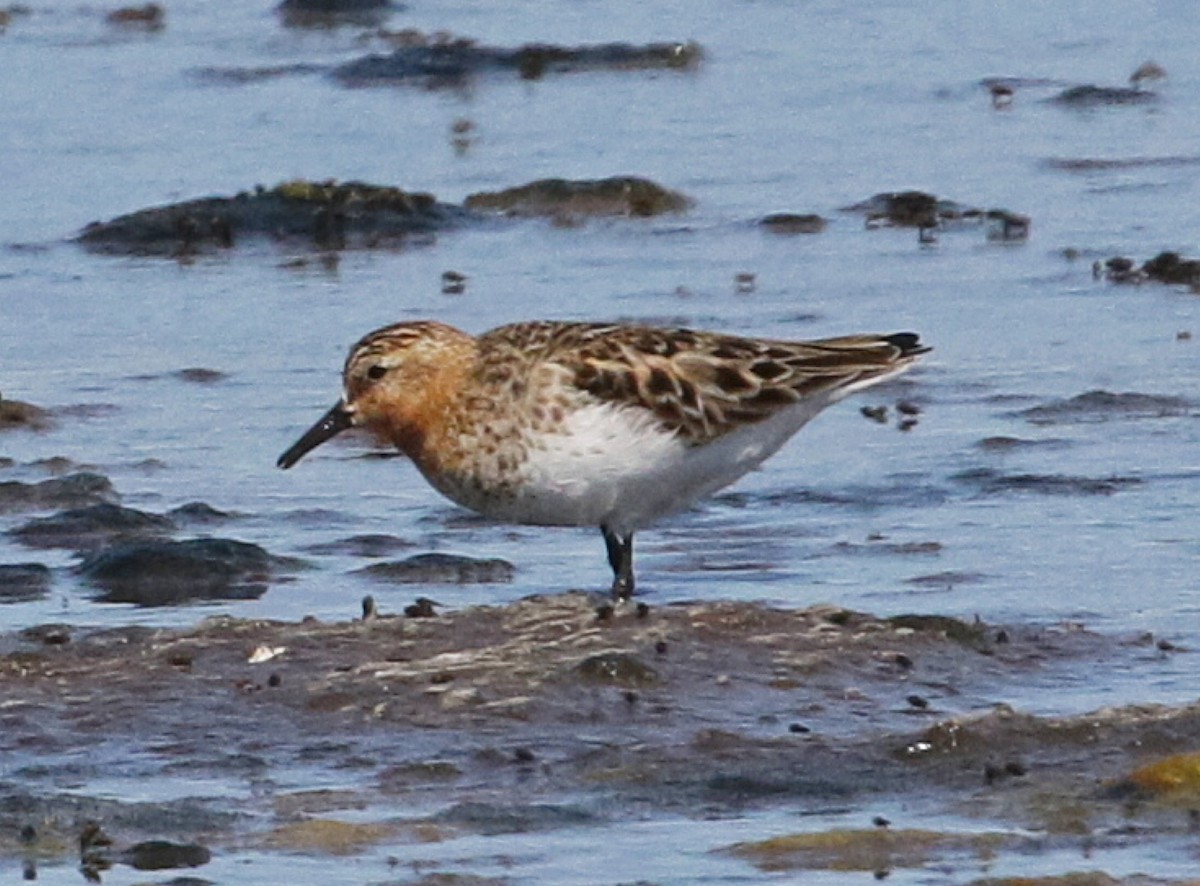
48	634
326	215
1090	96
991	482
331	6
162	855
166	573
918	209
616	669
200	376
367	545
1169	267
21	582
620	195
89	527
197	513
914	209
330	13
441	569
1098	405
973	636
17	414
513	818
1166	267
149	17
444	60
74	490
792	223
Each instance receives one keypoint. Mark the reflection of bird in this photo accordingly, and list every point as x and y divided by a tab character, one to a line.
583	424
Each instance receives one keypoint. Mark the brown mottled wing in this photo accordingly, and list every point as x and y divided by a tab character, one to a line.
704	385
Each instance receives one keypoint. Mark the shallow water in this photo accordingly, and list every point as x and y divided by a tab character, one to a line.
801	108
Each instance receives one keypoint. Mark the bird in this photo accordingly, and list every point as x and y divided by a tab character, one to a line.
609	425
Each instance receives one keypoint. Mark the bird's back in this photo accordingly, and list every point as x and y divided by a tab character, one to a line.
698	385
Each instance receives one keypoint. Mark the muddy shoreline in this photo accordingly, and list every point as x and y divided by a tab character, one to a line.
549	713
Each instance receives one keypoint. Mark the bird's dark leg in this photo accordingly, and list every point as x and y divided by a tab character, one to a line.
620	558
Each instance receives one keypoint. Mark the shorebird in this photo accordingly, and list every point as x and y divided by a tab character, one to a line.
588	424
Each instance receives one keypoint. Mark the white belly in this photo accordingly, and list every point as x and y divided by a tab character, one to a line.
617	467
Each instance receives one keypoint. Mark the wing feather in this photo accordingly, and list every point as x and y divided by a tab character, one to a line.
703	385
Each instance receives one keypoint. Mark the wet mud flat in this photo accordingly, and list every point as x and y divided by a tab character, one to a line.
390	733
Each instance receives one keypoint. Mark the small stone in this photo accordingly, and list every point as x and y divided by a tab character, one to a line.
181	659
616	669
422	607
49	634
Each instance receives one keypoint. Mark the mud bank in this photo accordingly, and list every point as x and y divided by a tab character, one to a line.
552	712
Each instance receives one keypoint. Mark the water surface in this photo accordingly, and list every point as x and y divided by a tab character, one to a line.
805	108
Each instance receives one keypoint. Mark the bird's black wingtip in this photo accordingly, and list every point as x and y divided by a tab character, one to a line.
908	343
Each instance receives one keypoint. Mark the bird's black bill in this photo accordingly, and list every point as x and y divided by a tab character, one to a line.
331	424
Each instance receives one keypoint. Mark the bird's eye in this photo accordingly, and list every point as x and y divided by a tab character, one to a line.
377	372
